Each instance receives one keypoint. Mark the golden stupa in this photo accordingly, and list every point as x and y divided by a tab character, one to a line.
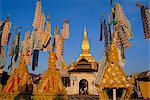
114	76
85	48
85	57
51	85
19	82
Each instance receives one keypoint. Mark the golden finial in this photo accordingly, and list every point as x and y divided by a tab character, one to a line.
139	5
48	17
27	27
66	21
85	42
20	27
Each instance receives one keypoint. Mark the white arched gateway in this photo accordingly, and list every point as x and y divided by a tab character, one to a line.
83	87
83	72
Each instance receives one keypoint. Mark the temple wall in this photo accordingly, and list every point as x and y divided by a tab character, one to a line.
75	79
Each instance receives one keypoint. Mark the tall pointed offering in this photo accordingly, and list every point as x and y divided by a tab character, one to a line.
111	74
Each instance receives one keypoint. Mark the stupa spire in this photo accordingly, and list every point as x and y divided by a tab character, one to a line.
85	43
85	47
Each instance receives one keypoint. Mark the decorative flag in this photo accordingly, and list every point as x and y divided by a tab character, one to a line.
1	29
122	20
38	41
101	30
2	58
32	40
12	50
101	70
2	25
1	22
26	50
39	33
124	39
6	33
46	38
15	55
109	30
105	36
35	59
37	15
145	13
55	37
65	31
17	47
60	47
40	30
121	57
122	28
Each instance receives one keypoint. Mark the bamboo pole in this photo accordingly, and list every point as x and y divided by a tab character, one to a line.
114	94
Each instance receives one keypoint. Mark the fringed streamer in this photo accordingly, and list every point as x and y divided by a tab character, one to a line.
145	13
110	18
46	38
32	40
37	16
17	47
101	70
121	58
6	33
112	2
109	30
65	31
35	59
55	36
11	51
11	63
2	58
115	37
40	30
1	22
15	55
47	41
122	28
2	25
122	52
60	47
26	50
106	38
48	28
101	30
0	41
1	29
56	39
48	46
53	45
38	41
124	39
39	33
105	34
123	21
12	48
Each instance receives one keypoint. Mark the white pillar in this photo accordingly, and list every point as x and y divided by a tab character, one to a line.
114	94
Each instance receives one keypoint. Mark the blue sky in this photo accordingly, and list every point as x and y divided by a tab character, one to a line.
80	13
